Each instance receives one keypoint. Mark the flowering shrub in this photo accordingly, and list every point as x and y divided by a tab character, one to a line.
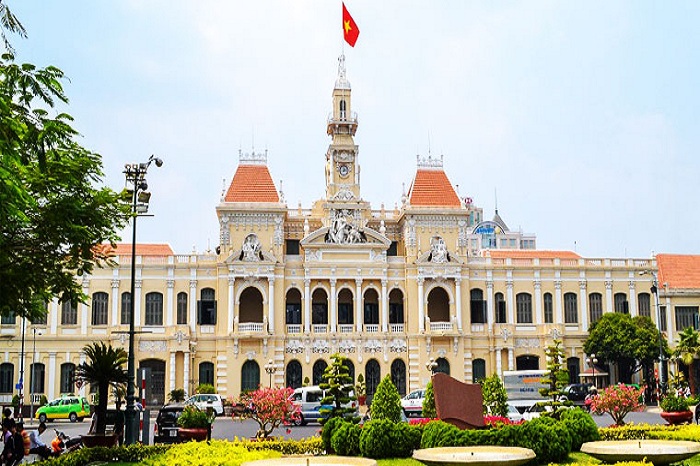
498	421
270	407
618	401
421	421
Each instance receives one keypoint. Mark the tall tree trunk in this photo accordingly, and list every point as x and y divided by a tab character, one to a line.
692	372
101	410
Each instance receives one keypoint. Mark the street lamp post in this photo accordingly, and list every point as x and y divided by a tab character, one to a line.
270	368
20	384
136	176
592	361
431	365
31	379
662	357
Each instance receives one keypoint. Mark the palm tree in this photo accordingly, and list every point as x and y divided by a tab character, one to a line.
104	367
688	352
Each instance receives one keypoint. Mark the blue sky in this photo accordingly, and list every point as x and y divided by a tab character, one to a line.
583	116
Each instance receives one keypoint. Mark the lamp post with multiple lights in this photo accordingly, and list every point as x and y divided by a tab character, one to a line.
136	178
270	369
662	356
431	365
592	361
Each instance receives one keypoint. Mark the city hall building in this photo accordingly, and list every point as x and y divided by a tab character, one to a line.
434	283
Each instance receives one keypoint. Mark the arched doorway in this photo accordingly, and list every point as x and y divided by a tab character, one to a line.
250	308
155	381
294	374
351	369
373	376
250	376
398	375
443	365
319	368
438	305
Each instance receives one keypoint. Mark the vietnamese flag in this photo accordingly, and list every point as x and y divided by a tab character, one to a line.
350	29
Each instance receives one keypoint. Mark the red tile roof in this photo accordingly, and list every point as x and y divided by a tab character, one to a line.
252	183
679	271
124	249
532	254
432	188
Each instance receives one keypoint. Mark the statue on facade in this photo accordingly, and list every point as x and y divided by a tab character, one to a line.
343	232
438	250
250	251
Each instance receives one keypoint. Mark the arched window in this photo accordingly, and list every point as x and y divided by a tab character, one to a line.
398	375
293	308
443	365
570	308
500	308
154	309
250	376
7	376
573	365
126	308
351	369
206	372
99	308
644	304
67	377
319	307
345	307
69	313
478	370
206	307
342	109
438	305
372	377
317	371
477	306
527	362
251	308
37	372
396	307
548	308
523	306
294	374
182	308
371	307
621	304
595	306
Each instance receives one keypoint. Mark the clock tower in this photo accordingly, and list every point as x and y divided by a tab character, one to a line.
342	169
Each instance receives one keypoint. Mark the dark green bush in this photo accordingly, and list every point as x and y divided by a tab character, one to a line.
548	438
376	439
439	434
386	403
328	429
346	439
581	427
406	438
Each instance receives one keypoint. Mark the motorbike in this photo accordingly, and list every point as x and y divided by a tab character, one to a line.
62	443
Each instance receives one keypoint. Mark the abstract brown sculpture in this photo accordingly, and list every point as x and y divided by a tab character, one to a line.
458	403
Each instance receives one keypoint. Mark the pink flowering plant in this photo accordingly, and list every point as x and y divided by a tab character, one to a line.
270	408
618	401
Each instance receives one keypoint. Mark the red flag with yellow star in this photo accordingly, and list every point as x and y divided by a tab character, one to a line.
350	29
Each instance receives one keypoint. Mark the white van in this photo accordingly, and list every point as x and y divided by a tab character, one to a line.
204	400
309	400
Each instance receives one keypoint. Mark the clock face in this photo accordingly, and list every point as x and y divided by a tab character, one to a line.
344	170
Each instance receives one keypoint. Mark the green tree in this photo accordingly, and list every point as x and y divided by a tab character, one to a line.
386	403
104	367
557	377
54	215
629	343
495	396
688	352
9	23
429	402
338	386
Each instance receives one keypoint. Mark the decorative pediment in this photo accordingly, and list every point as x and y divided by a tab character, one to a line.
319	239
251	252
438	254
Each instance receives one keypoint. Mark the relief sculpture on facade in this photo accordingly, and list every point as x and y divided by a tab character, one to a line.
342	231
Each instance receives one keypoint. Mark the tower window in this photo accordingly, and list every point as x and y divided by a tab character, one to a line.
342	109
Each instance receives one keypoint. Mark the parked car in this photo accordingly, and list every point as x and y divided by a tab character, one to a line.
577	392
74	408
165	429
205	400
513	414
309	401
412	403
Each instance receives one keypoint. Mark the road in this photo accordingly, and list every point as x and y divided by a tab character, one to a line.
227	428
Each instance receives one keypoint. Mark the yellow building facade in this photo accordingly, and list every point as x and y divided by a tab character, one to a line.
392	289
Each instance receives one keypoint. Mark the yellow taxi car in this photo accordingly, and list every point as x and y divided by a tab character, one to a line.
73	408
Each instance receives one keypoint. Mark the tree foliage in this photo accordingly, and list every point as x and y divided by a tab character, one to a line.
630	343
386	403
338	386
557	376
618	401
104	367
55	217
495	396
270	407
429	410
687	351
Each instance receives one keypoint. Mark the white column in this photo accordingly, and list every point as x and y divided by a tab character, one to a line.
51	394
385	307
499	364
115	298
193	303
558	311
633	308
421	310
584	303
333	306
170	302
172	370
84	314
609	295
458	302
56	308
510	301
670	331
186	372
511	359
539	310
358	305
307	305
137	299
490	311
271	305
231	303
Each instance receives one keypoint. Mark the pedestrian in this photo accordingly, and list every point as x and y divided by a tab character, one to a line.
7	441
37	445
18	443
119	424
